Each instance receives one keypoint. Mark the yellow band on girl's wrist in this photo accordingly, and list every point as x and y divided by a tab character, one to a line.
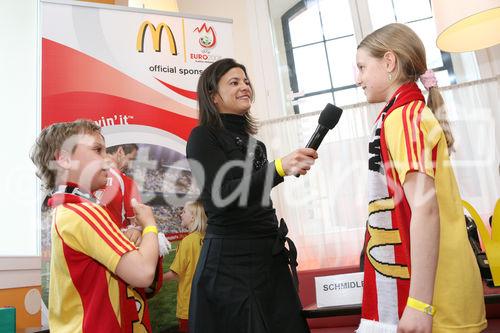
279	167
421	306
150	228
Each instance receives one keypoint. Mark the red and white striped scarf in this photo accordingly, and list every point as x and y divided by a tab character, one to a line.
387	257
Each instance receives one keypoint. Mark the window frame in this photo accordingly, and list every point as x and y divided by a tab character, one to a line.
355	16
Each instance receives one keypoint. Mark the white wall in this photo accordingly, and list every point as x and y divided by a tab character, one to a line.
166	5
253	46
18	127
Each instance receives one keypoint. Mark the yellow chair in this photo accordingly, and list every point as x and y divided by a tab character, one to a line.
491	241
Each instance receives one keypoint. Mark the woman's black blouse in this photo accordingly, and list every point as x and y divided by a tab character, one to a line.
235	178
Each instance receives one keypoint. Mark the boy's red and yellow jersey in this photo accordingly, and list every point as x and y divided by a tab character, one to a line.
84	291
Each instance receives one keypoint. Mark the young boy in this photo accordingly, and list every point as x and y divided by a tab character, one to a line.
94	267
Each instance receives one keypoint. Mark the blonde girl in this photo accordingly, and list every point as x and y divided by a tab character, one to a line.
420	272
183	267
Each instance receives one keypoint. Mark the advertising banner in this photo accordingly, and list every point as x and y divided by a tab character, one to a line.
133	72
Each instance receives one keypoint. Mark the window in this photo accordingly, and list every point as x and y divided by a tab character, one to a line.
320	50
320	42
417	14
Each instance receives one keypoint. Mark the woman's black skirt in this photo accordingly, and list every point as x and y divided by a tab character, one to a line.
241	287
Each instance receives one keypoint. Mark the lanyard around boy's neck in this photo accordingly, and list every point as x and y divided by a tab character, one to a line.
69	194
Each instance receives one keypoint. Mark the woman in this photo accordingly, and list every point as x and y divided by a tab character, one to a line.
242	282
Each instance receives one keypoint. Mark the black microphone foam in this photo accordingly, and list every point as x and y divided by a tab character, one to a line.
328	119
330	116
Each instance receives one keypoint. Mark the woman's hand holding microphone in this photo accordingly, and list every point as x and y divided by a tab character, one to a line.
299	161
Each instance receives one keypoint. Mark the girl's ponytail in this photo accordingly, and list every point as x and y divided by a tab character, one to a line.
436	103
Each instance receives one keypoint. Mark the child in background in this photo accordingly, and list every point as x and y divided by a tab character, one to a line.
420	272
184	265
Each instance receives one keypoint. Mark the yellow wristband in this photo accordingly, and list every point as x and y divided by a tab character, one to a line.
421	306
150	228
279	167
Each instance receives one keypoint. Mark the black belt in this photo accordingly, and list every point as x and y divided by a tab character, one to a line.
291	252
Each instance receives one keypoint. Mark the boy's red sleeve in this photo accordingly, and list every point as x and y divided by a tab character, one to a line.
131	191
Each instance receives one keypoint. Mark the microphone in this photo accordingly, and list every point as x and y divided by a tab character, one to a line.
328	119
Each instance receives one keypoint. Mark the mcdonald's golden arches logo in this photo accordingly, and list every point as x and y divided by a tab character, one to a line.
380	237
156	34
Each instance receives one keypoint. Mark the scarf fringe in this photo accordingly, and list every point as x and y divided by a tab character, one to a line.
371	326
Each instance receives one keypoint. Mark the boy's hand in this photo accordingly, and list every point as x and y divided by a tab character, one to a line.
143	214
134	235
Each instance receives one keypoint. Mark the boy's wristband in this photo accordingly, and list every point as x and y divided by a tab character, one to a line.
421	306
150	228
279	167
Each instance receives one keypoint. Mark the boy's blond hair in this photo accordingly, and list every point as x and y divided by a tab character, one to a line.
49	143
200	219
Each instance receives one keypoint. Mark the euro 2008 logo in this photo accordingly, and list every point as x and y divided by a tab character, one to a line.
207	38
